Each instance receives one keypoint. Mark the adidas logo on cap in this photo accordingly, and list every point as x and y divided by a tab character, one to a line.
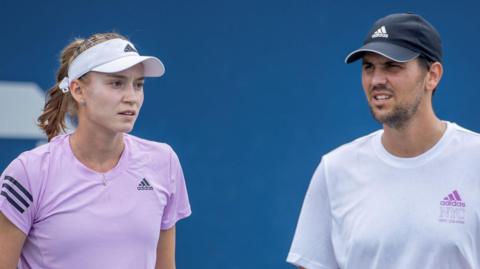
129	48
381	32
144	185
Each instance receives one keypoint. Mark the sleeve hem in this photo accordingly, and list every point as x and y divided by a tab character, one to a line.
169	225
15	222
298	260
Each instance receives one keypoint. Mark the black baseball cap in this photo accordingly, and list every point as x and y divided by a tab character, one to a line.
401	37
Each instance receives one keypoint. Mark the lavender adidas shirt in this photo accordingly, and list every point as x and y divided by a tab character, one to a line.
78	218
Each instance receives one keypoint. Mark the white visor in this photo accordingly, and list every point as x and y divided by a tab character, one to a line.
111	56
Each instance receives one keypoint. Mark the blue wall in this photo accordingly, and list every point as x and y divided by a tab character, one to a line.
254	93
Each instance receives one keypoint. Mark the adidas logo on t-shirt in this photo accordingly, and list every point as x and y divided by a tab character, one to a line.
381	32
453	199
144	186
452	209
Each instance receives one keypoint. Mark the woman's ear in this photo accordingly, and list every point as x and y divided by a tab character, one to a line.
77	89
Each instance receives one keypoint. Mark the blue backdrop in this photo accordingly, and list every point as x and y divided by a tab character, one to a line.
254	93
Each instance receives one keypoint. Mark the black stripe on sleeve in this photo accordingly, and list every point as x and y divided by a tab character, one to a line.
20	187
11	201
15	193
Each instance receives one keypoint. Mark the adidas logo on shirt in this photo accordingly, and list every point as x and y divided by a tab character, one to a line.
381	32
144	185
16	194
453	199
452	209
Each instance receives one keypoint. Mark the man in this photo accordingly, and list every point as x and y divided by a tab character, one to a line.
406	196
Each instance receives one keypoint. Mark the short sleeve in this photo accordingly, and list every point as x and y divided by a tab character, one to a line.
178	206
312	244
16	200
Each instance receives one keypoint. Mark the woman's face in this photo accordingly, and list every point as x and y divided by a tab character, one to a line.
112	101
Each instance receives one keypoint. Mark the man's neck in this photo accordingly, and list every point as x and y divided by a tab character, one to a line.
415	137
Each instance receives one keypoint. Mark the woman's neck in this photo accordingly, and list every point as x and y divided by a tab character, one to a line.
98	151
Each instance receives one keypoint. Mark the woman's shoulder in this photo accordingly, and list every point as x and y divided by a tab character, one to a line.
138	143
31	167
41	152
155	153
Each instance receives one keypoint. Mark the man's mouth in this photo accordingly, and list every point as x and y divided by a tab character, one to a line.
381	97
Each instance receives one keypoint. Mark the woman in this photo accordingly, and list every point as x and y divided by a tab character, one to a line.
96	198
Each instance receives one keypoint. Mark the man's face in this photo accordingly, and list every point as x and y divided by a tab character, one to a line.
394	90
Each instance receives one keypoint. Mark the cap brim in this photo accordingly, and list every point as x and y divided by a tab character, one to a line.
389	50
153	67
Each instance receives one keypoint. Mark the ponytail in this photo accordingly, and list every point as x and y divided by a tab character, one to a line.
52	119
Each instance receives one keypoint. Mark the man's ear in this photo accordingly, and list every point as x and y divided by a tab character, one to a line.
434	76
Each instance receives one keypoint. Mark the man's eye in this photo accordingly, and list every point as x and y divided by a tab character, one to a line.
367	67
394	66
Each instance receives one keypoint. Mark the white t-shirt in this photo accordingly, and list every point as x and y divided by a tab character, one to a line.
366	208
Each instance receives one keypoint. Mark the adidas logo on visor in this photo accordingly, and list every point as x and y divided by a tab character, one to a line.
381	32
129	48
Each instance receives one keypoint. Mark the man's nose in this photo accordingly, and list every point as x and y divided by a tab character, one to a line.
378	77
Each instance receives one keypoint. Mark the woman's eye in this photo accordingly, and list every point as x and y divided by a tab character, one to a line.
139	84
116	84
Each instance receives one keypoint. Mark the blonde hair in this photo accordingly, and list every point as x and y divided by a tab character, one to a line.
52	119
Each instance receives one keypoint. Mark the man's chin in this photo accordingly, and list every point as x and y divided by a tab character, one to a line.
379	116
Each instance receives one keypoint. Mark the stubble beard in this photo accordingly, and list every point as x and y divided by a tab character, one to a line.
401	114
